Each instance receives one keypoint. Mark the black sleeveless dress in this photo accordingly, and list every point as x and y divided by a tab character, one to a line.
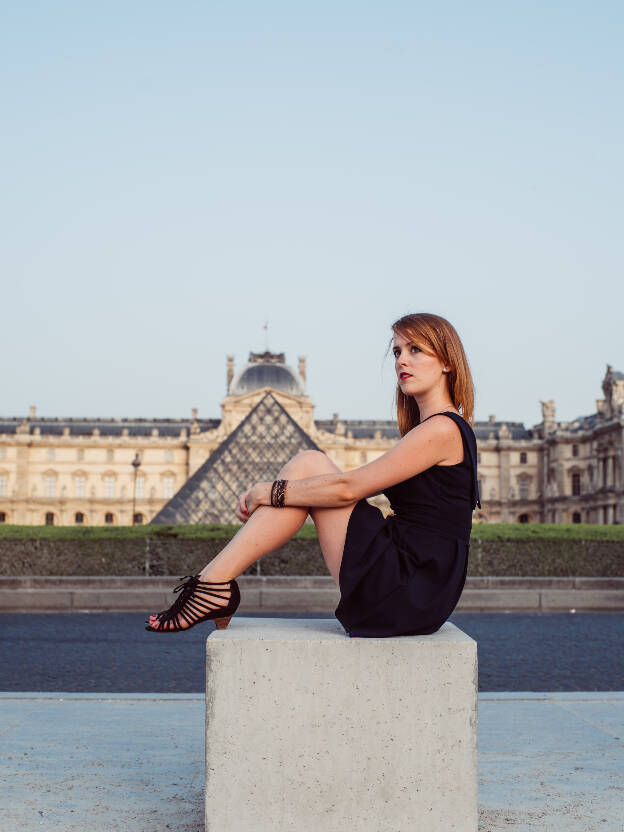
404	574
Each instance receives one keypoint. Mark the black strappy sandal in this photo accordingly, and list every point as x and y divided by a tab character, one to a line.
194	605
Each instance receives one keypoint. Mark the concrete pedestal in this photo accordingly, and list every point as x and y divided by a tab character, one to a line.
308	729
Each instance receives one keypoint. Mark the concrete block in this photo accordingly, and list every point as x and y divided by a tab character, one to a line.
308	730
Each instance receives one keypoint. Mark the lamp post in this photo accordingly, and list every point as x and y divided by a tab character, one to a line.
136	464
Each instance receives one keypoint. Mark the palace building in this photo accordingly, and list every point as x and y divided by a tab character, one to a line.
119	471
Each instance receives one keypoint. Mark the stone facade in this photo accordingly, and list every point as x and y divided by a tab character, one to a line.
79	471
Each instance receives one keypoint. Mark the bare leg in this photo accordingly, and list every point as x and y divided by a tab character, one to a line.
270	527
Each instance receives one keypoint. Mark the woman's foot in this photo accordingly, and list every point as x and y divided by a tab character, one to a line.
221	600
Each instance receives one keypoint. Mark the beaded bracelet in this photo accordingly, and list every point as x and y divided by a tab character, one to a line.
278	492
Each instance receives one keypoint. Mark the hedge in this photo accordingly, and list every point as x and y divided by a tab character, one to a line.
513	549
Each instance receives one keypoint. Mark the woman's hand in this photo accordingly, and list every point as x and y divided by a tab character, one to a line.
248	503
242	512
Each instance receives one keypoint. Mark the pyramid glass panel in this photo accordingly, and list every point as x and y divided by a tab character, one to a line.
255	450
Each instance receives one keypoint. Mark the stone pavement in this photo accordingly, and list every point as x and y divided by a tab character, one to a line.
552	762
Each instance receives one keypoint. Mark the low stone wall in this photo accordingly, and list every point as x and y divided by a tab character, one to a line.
296	594
154	556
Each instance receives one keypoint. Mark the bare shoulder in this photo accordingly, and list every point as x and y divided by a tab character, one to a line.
434	441
446	434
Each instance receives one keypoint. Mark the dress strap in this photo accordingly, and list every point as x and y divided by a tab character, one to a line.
471	443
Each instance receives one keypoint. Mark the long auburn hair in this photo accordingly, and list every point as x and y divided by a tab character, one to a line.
435	335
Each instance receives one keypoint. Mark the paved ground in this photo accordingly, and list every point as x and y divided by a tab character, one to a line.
112	652
135	762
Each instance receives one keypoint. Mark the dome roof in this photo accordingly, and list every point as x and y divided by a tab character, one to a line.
258	373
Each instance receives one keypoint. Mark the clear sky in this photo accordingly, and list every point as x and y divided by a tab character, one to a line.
175	174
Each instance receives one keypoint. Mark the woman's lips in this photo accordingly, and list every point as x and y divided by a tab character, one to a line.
405	375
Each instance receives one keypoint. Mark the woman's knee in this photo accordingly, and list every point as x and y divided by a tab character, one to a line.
309	462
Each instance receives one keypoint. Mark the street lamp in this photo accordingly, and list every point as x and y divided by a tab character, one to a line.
136	464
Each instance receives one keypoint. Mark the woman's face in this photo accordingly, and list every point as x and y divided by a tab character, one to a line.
417	371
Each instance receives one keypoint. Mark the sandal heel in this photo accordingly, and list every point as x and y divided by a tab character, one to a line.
195	605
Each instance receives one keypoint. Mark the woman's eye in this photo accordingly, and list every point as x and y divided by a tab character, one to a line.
416	348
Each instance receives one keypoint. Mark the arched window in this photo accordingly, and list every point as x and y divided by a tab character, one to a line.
524	518
49	518
576	517
79	518
576	485
138	519
3	517
109	518
168	487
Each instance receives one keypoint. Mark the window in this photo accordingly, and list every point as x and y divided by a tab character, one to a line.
524	518
50	486
2	453
523	489
80	486
523	457
110	455
2	517
109	518
140	488
576	485
80	454
109	487
576	517
168	487
168	456
575	452
79	518
138	518
3	485
50	454
49	518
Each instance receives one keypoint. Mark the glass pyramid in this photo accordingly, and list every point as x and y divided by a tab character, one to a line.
255	450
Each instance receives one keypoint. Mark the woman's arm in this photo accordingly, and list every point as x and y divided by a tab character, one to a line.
420	448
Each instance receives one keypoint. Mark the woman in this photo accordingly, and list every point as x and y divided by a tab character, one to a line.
400	575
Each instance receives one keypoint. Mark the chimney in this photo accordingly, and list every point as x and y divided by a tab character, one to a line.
302	369
230	371
33	412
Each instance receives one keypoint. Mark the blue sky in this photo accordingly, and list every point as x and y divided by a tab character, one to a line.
176	174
